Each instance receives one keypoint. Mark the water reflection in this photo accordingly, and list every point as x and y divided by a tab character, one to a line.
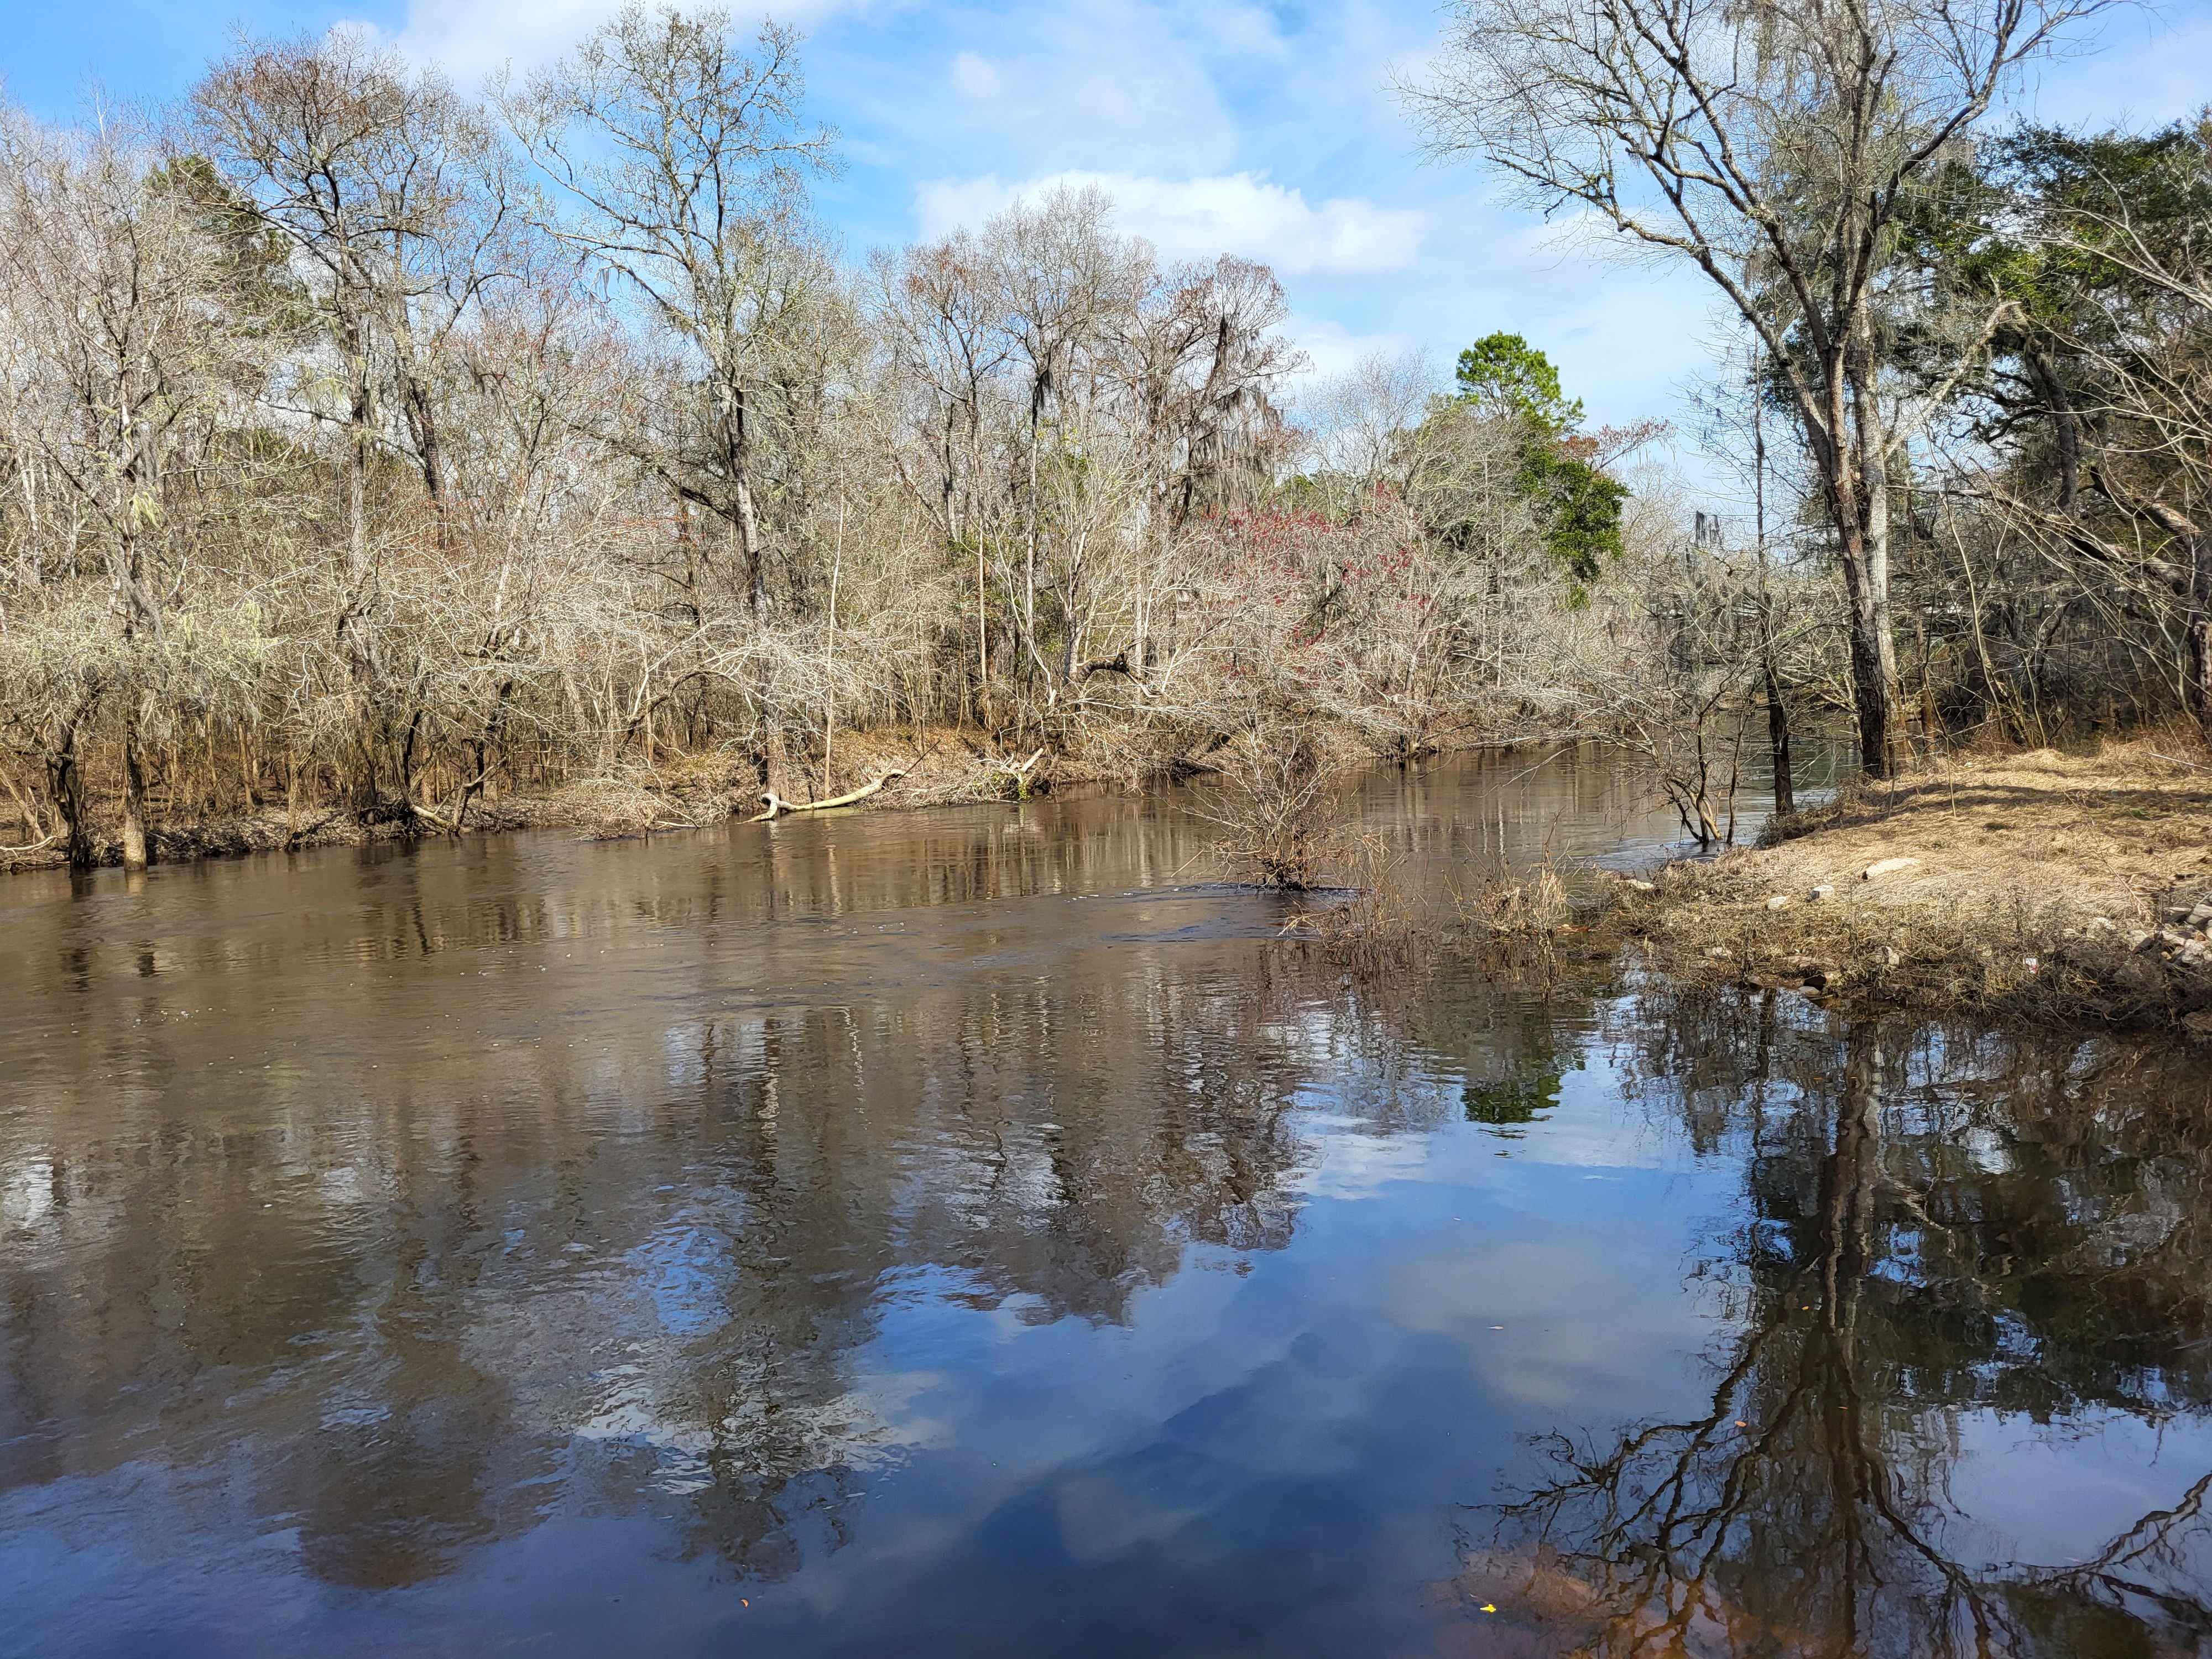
971	1233
1938	1236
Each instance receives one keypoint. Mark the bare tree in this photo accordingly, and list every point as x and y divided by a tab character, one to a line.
684	162
1777	146
113	284
945	352
393	196
389	194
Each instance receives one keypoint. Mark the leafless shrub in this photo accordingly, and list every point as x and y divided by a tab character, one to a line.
1276	805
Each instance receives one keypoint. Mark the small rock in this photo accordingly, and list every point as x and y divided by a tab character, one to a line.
2201	916
1779	902
2140	976
2139	940
1635	886
1889	956
1885	867
1820	895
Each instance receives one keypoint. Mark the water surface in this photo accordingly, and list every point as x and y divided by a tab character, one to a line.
978	1231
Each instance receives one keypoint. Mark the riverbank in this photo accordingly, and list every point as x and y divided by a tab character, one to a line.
2027	887
932	766
887	768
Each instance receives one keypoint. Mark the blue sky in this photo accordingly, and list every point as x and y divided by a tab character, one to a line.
1264	130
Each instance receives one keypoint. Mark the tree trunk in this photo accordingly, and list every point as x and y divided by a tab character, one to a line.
737	457
1777	741
2200	666
65	783
749	537
361	425
134	795
1837	438
1778	712
1870	683
2066	426
423	424
1881	644
1931	719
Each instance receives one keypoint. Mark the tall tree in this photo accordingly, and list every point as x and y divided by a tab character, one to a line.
394	195
1505	377
2102	402
684	161
114	287
1775	145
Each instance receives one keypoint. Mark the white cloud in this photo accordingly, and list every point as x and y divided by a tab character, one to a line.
471	39
1238	213
975	76
1332	349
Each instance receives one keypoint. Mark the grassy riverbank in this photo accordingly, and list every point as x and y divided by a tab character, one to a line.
2033	887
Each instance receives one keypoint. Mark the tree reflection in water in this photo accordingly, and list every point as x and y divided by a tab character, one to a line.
1091	1255
1936	1231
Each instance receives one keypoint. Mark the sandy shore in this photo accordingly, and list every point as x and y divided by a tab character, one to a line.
2033	886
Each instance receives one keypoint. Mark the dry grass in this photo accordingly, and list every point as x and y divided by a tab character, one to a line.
1504	904
2042	886
1516	925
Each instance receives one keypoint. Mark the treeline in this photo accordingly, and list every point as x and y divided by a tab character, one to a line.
368	447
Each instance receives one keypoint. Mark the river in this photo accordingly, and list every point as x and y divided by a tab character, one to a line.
980	1231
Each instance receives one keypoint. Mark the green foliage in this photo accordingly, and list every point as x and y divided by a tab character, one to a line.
2062	228
1530	1096
253	255
1504	375
1583	526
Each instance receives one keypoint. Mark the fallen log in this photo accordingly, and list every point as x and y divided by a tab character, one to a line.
776	804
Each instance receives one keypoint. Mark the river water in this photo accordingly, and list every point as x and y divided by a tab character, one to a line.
978	1231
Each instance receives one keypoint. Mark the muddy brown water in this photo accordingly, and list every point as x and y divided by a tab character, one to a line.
977	1232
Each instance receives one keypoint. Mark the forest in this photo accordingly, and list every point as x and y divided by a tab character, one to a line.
377	453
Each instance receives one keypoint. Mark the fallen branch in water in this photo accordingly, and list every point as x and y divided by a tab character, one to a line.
777	803
1020	773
